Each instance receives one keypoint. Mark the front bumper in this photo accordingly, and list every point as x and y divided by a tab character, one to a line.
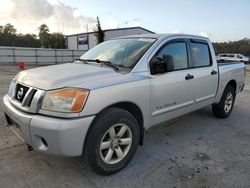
56	136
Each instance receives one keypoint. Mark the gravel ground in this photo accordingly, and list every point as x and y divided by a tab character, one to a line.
195	150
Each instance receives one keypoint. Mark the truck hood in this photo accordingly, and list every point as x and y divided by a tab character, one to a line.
58	76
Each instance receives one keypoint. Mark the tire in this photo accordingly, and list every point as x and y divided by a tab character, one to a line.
224	108
119	133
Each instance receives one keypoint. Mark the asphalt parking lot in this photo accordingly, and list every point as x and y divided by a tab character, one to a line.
195	150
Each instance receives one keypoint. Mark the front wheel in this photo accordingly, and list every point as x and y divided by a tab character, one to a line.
112	141
224	108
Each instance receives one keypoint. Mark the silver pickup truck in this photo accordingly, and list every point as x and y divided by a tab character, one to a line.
100	105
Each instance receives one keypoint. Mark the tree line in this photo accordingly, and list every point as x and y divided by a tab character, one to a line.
45	39
10	37
241	47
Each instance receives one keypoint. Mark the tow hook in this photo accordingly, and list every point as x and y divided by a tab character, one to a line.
29	148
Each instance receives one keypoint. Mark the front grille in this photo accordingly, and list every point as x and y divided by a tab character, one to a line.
26	98
21	91
24	94
30	97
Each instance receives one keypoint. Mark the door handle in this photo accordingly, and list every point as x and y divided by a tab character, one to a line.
213	72
189	77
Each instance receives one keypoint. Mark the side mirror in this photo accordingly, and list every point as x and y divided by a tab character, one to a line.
157	66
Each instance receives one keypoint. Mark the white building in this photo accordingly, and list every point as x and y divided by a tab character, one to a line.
85	41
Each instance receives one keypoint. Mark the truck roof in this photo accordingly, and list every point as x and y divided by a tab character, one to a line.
157	36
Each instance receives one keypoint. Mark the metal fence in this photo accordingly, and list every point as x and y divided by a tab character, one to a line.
12	55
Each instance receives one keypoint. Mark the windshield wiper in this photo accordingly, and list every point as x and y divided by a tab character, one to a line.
82	60
100	61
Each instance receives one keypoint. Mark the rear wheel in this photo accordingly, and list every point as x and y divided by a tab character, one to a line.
224	108
112	141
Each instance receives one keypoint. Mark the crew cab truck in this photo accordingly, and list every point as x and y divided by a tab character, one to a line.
99	106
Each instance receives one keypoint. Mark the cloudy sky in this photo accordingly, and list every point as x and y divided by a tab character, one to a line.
221	20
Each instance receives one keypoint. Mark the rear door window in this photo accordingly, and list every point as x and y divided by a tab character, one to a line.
200	54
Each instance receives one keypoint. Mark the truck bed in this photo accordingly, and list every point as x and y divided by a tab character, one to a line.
222	63
230	71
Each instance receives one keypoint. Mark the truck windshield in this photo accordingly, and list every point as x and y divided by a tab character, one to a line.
120	52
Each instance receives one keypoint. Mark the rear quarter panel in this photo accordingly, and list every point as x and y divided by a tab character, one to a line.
228	72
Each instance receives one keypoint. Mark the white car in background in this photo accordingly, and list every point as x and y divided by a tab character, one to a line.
232	57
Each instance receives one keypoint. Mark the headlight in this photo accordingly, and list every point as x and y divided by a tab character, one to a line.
65	100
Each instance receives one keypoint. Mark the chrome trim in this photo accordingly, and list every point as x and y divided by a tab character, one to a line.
17	104
14	90
27	94
173	108
205	98
35	103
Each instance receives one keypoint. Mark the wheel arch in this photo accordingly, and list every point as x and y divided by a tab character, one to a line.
133	109
233	84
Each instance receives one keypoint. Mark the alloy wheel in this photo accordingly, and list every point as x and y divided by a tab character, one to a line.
115	143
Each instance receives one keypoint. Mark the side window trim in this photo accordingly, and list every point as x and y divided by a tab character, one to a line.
199	41
186	41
